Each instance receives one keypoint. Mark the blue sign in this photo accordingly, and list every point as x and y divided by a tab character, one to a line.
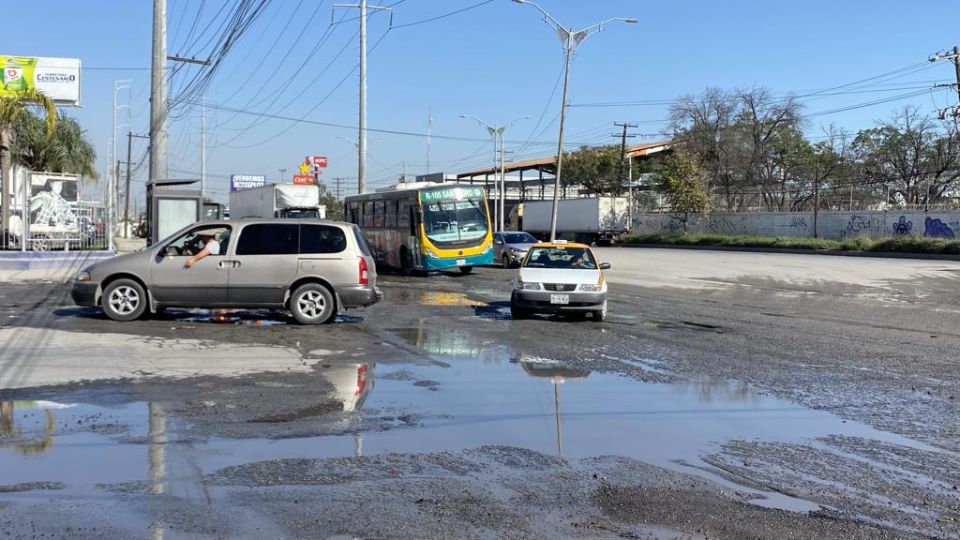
246	181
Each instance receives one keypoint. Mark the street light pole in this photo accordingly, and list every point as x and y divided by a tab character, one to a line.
496	134
569	39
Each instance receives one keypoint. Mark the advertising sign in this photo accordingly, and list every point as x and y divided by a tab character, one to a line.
53	202
317	161
304	179
246	181
58	78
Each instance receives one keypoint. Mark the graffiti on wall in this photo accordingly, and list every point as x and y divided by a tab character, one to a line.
936	228
722	224
798	223
902	226
857	225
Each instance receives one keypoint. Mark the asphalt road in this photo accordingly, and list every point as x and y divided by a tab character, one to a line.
728	395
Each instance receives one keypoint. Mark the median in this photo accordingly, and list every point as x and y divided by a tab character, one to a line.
899	244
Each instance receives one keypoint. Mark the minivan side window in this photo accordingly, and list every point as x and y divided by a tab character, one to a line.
322	239
361	242
269	239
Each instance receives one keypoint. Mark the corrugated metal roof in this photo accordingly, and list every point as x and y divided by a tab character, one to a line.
634	150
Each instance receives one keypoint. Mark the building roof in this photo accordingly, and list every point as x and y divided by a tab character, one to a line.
548	162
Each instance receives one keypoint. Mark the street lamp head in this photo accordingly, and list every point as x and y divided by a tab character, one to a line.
520	1
630	20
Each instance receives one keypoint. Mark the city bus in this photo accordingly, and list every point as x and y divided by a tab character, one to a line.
425	227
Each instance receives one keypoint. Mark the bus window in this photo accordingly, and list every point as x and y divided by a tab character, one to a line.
368	214
403	214
353	213
378	214
391	215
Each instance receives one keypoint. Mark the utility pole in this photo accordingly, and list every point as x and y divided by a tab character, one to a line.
496	134
569	39
283	172
429	130
158	94
337	180
203	135
623	156
953	56
126	192
362	139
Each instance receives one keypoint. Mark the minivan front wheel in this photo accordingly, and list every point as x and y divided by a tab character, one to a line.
124	300
312	304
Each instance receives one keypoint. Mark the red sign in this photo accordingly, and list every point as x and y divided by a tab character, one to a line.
317	161
304	179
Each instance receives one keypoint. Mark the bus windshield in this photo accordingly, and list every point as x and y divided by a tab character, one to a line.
455	221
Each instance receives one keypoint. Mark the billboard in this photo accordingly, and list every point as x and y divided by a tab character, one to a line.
53	202
317	161
304	179
58	78
246	181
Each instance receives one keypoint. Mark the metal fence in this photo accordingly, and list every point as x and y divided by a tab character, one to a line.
57	212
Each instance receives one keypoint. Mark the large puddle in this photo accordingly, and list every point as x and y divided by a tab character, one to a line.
473	396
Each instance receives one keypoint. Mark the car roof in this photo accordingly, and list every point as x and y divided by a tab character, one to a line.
564	245
298	221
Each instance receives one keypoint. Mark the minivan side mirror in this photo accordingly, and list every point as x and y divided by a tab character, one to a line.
604	266
168	251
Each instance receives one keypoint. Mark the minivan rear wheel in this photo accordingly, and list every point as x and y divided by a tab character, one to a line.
312	303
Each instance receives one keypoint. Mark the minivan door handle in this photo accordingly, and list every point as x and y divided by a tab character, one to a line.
228	264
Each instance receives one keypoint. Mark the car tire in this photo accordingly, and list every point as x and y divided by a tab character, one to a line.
466	269
124	300
600	315
506	261
312	303
517	312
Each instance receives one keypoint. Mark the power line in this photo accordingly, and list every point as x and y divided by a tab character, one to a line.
445	15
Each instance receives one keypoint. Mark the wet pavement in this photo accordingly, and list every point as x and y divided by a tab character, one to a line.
436	412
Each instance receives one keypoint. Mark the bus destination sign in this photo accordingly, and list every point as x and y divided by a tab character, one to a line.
452	194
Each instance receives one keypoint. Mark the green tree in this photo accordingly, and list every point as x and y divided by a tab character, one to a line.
595	168
334	207
67	150
684	184
12	109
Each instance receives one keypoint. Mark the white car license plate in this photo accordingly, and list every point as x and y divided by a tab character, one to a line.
461	262
559	298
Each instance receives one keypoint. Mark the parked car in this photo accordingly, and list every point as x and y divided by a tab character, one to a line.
313	269
510	247
560	277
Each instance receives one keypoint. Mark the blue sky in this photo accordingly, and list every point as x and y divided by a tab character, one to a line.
498	61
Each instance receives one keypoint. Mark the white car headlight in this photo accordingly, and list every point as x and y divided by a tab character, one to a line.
526	286
590	288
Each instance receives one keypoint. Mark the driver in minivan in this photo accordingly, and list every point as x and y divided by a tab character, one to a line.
210	247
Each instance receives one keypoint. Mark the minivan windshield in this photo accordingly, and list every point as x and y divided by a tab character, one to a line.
455	221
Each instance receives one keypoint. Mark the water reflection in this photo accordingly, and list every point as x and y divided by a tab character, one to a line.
12	434
558	373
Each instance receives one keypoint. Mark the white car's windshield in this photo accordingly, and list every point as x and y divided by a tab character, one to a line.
572	258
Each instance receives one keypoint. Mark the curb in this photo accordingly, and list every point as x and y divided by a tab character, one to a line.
43	260
795	251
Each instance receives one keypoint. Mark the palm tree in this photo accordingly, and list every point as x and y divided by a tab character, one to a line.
66	151
12	109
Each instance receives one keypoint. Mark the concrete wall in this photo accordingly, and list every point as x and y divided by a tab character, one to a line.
833	225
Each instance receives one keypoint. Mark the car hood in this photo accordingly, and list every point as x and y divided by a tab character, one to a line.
558	275
131	262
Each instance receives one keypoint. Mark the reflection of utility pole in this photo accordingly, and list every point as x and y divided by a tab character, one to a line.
557	381
157	458
358	445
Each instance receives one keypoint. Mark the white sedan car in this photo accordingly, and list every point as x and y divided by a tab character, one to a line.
560	277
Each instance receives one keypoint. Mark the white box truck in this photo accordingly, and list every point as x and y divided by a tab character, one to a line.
591	220
277	200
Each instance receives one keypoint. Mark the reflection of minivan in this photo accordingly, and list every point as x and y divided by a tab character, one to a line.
313	269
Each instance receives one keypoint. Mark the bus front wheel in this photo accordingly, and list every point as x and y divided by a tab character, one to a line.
466	269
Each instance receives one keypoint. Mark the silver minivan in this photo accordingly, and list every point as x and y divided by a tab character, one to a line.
314	269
